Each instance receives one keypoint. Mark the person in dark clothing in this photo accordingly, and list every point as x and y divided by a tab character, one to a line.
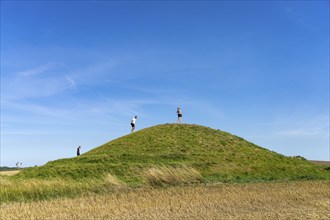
78	150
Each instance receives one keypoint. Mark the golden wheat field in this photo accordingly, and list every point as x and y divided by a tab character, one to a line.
281	200
10	173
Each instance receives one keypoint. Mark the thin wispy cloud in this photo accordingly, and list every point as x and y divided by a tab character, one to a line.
72	83
38	82
96	72
312	127
35	109
18	88
38	70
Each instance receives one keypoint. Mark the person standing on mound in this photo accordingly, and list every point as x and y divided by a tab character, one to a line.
179	115
133	123
78	150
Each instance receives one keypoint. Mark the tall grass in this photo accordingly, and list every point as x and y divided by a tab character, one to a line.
162	175
9	172
35	189
277	200
114	181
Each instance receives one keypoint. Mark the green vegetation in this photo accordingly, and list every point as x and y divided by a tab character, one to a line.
171	150
217	155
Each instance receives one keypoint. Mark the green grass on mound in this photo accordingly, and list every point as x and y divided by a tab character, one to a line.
216	155
163	155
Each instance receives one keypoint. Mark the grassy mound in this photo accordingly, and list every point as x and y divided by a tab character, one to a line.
215	155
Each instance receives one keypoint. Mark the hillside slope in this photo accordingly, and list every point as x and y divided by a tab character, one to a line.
216	155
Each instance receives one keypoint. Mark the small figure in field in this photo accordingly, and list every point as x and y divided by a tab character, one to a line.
133	123
179	114
78	150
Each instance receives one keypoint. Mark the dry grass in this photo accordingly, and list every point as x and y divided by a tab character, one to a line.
286	200
162	175
38	189
114	181
25	190
9	173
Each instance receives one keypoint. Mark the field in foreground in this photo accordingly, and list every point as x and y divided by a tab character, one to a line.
10	172
277	200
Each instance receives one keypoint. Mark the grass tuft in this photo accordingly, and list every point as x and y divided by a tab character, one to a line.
162	175
114	181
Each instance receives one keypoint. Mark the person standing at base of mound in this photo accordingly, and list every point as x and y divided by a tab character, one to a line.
78	150
133	123
179	112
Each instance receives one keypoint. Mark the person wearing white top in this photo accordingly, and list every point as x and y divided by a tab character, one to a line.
133	123
179	115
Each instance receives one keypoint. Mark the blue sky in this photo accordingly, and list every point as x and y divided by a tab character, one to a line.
76	72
